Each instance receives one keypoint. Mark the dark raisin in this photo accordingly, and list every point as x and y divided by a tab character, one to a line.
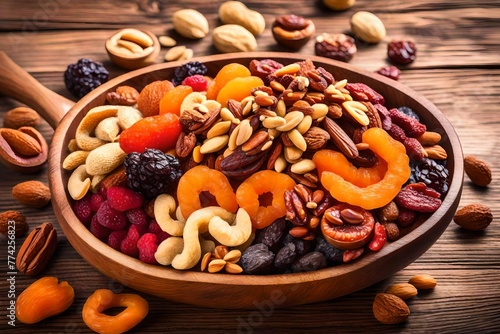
272	234
309	262
392	72
187	70
332	254
432	173
301	246
257	259
402	52
285	256
409	112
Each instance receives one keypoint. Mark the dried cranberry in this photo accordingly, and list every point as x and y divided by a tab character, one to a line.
402	52
406	217
362	92
414	149
397	133
417	199
392	72
335	46
352	254
263	68
411	126
379	237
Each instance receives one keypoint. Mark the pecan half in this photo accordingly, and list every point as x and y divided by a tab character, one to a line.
37	249
185	144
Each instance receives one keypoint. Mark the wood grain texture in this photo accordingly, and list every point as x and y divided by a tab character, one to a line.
458	69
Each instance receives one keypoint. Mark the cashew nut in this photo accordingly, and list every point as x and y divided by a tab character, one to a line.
128	116
231	235
88	125
173	246
164	207
79	183
192	101
108	129
104	159
196	225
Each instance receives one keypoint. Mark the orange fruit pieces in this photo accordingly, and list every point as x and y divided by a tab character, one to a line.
374	195
150	96
238	88
261	184
201	179
172	100
225	74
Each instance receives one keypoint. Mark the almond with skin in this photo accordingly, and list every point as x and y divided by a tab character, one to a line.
21	116
390	309
474	217
34	194
37	250
423	281
15	218
477	170
402	290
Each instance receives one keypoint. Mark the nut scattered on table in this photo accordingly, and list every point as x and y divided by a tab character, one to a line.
402	290
477	170
33	193
339	4
423	281
37	249
390	309
21	116
367	27
15	219
167	41
474	217
236	12
233	38
292	31
190	23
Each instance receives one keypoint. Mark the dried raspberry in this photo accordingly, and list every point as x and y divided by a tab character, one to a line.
111	218
156	229
83	209
99	231
116	237
417	199
402	52
129	244
412	127
405	217
96	200
123	199
197	82
148	244
362	92
414	149
137	217
392	72
397	133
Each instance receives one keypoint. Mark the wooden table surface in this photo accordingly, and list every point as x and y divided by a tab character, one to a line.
457	68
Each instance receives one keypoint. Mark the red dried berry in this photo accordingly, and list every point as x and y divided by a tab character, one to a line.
402	52
405	217
148	244
413	198
412	127
379	238
110	218
137	217
197	82
422	187
129	245
414	149
362	92
352	254
123	199
392	72
263	68
96	200
99	231
156	229
397	133
83	209
384	115
116	237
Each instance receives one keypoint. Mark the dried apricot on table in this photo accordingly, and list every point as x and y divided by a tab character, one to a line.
374	195
225	74
263	183
172	100
200	179
160	132
238	88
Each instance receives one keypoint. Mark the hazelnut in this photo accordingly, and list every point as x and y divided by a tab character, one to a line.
292	31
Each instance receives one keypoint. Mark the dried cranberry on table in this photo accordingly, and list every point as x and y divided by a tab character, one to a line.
391	72
402	52
335	46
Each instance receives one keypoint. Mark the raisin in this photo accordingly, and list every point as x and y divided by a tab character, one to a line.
402	52
257	259
392	72
409	112
417	199
362	92
309	262
301	246
333	255
272	234
285	256
411	126
432	173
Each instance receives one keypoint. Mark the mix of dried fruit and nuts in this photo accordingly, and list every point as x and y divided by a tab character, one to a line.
260	169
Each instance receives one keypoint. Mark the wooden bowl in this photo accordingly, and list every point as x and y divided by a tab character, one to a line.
251	291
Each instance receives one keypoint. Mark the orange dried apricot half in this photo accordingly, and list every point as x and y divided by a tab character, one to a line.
201	179
172	100
226	74
238	88
150	96
250	191
374	195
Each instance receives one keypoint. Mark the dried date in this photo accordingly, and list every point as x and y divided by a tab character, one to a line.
257	259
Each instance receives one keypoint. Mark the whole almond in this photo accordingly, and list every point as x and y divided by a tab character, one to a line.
402	290
21	143
475	217
21	116
34	194
390	309
13	218
477	170
423	281
37	249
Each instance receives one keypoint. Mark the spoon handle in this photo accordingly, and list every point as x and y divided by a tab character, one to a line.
15	82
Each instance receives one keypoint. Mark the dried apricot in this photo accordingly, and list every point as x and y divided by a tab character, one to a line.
226	74
160	132
249	195
238	88
201	179
374	195
150	96
172	100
